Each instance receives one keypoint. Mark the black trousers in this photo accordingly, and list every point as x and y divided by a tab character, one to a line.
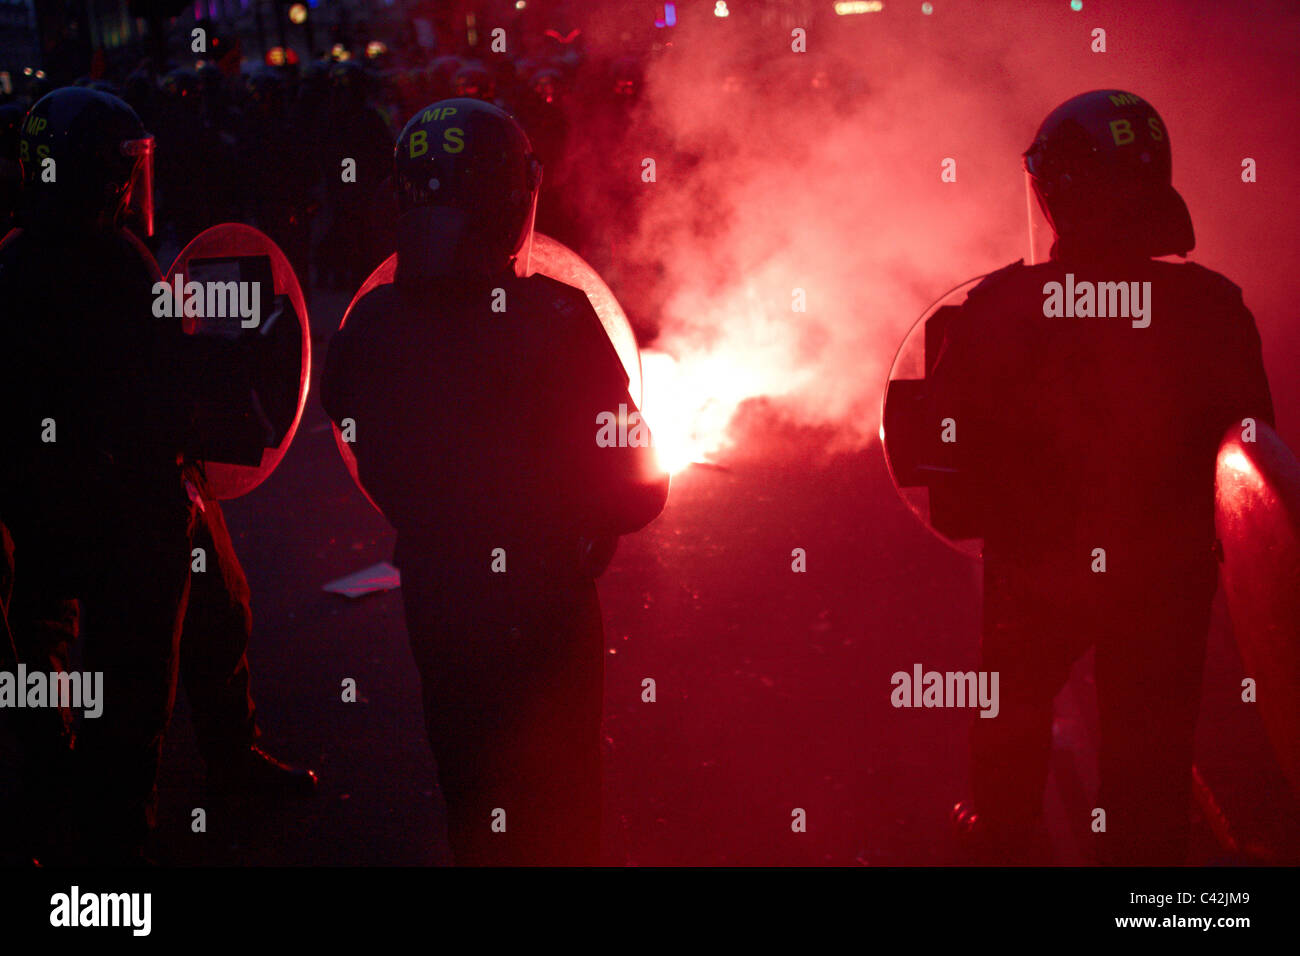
214	645
1150	638
8	652
512	690
145	619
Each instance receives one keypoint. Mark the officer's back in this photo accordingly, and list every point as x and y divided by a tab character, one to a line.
478	428
1102	431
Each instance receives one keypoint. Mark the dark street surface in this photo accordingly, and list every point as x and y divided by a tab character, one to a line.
773	687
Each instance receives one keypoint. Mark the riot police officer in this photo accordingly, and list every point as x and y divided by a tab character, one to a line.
475	434
100	399
1086	446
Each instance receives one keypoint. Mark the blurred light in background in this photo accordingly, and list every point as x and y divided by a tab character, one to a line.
847	8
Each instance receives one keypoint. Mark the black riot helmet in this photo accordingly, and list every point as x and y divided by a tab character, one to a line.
350	85
1101	170
182	88
442	72
102	175
11	124
473	81
466	180
625	74
265	88
547	84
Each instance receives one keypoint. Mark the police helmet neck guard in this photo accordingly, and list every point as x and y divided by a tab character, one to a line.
1100	168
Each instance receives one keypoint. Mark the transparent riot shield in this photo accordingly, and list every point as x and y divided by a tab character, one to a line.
920	464
232	284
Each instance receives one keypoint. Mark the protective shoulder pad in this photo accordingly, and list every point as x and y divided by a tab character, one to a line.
1215	283
1000	277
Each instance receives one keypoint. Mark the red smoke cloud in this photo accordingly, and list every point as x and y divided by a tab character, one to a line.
779	171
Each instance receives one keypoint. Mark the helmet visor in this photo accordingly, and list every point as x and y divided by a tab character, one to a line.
524	257
1039	230
137	203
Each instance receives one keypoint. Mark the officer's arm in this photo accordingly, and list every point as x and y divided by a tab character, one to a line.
638	487
621	486
1246	392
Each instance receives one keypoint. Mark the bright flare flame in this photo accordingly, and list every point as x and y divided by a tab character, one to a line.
692	385
689	403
